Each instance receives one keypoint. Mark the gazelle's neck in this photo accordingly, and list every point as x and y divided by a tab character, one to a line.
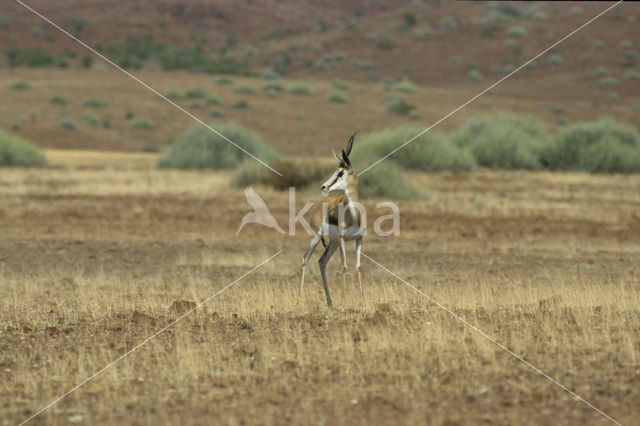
352	188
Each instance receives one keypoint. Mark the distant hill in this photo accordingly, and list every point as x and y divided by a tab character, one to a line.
435	42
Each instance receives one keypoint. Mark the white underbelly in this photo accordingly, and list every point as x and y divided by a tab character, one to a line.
333	232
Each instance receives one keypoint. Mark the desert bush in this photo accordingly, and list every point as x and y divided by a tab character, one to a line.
217	112
405	86
200	148
632	75
195	93
195	105
214	100
511	44
576	11
428	152
269	74
96	102
224	80
18	152
245	89
273	86
603	146
517	31
34	57
424	32
474	75
68	124
298	173
397	104
447	22
601	72
91	118
625	45
340	85
386	181
300	89
20	85
141	123
59	99
174	95
608	81
504	141
337	97
555	59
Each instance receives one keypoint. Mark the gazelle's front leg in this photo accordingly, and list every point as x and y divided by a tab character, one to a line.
358	251
343	252
305	259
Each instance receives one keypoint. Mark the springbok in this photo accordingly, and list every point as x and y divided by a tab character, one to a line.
338	218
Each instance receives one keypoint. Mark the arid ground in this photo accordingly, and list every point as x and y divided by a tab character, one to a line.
100	251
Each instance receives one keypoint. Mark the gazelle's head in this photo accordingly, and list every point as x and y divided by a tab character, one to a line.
343	178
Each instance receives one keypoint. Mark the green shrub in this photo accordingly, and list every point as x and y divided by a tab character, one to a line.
200	148
224	80
632	75
59	99
511	44
214	100
555	59
68	124
517	31
269	74
216	112
96	102
447	22
601	72
141	123
337	97
405	86
397	104
625	45
246	89
603	146
504	141
34	57
428	152
15	151
300	89
340	85
386	181
474	75
298	173
424	32
91	118
195	105
195	93
608	81
273	86
175	95
20	85
576	11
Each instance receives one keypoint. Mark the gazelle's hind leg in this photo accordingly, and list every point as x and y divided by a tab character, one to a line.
343	253
358	251
305	258
324	259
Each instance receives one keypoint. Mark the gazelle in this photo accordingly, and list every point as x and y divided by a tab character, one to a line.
337	218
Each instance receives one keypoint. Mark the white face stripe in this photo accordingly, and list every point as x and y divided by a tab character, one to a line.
336	182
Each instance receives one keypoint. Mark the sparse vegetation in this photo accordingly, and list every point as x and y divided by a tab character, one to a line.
59	99
68	124
632	75
34	57
424	32
386	181
474	75
195	93
517	31
217	112
337	97
405	86
224	80
18	152
430	152
300	89
91	118
200	148
608	81
297	173
247	89
141	123
601	72
603	146
274	86
397	104
340	85
95	102
20	85
555	59
504	141
214	100
175	95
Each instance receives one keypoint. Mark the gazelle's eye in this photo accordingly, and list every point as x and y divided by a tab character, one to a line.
340	173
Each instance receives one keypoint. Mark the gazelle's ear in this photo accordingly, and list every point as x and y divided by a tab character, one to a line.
346	160
350	143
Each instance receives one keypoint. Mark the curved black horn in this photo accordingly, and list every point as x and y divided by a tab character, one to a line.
350	143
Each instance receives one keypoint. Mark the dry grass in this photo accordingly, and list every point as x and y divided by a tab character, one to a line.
92	260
